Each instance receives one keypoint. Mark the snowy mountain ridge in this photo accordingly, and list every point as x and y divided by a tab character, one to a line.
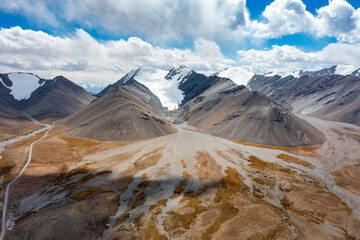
164	84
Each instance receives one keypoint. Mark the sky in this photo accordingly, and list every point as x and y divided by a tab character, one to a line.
99	41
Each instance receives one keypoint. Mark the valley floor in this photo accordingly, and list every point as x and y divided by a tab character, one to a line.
187	185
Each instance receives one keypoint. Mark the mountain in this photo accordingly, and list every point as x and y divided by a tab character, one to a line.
173	88
220	107
320	94
126	111
56	98
231	111
164	84
336	69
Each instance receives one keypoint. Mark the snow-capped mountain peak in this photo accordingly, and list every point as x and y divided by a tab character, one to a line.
179	74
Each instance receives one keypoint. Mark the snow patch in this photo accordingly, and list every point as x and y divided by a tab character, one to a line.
344	69
166	89
283	74
23	85
239	75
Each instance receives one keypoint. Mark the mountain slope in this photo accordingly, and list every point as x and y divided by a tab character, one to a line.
234	112
123	113
330	96
57	98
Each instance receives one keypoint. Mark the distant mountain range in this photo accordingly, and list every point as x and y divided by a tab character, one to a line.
323	93
224	104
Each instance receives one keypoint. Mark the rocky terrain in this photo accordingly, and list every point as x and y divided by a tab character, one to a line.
321	94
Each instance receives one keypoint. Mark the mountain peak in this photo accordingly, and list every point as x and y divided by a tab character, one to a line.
178	73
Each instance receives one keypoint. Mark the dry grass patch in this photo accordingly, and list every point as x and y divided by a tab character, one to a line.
257	163
183	163
206	166
291	159
348	177
306	151
91	191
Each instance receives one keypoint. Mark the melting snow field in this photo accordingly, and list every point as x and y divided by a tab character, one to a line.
23	85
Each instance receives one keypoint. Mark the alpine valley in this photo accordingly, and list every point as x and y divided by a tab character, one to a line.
176	154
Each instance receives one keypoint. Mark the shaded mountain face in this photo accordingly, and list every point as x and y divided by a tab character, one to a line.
123	113
231	111
57	98
331	97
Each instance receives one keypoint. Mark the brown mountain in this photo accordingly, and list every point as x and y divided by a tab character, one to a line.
57	98
123	113
331	97
231	111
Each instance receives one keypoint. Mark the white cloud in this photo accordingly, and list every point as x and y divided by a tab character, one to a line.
155	20
37	10
283	17
338	19
223	21
81	57
289	58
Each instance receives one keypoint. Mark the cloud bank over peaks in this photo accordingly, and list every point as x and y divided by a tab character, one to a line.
82	57
290	58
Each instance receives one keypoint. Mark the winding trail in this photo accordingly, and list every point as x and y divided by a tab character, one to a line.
46	128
